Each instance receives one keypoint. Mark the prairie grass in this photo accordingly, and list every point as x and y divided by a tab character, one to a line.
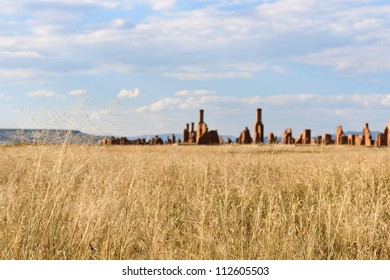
191	202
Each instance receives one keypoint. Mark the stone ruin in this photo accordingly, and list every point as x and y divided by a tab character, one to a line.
383	139
351	139
202	136
361	140
124	141
189	136
326	139
245	137
340	138
202	127
304	138
365	139
209	138
170	141
272	139
287	137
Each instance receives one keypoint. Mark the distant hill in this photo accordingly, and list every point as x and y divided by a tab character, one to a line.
52	136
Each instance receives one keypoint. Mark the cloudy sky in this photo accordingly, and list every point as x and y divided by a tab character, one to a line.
131	67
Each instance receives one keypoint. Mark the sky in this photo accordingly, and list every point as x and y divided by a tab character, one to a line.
126	68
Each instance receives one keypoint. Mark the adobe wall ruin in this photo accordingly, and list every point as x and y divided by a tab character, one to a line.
245	137
202	136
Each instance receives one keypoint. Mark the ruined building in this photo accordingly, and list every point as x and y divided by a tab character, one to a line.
258	131
202	136
209	138
287	137
366	136
192	135
186	133
245	137
351	139
272	139
340	138
157	141
387	132
202	126
304	138
170	141
326	139
189	136
383	139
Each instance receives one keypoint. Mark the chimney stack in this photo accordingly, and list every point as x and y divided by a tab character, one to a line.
258	115
201	115
258	129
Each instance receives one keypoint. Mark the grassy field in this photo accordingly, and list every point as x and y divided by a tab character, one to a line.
188	202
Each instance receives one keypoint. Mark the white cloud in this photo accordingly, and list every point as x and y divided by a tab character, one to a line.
128	93
358	59
100	114
279	69
104	69
304	100
386	100
201	101
281	99
4	96
9	6
163	104
141	109
209	76
218	71
19	54
162	4
274	29
78	92
41	93
194	92
20	73
249	66
118	22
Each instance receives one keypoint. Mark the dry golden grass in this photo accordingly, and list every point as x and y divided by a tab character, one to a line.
187	202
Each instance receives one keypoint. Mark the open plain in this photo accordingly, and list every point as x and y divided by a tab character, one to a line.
194	202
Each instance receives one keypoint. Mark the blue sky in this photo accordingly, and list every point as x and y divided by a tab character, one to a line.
126	67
